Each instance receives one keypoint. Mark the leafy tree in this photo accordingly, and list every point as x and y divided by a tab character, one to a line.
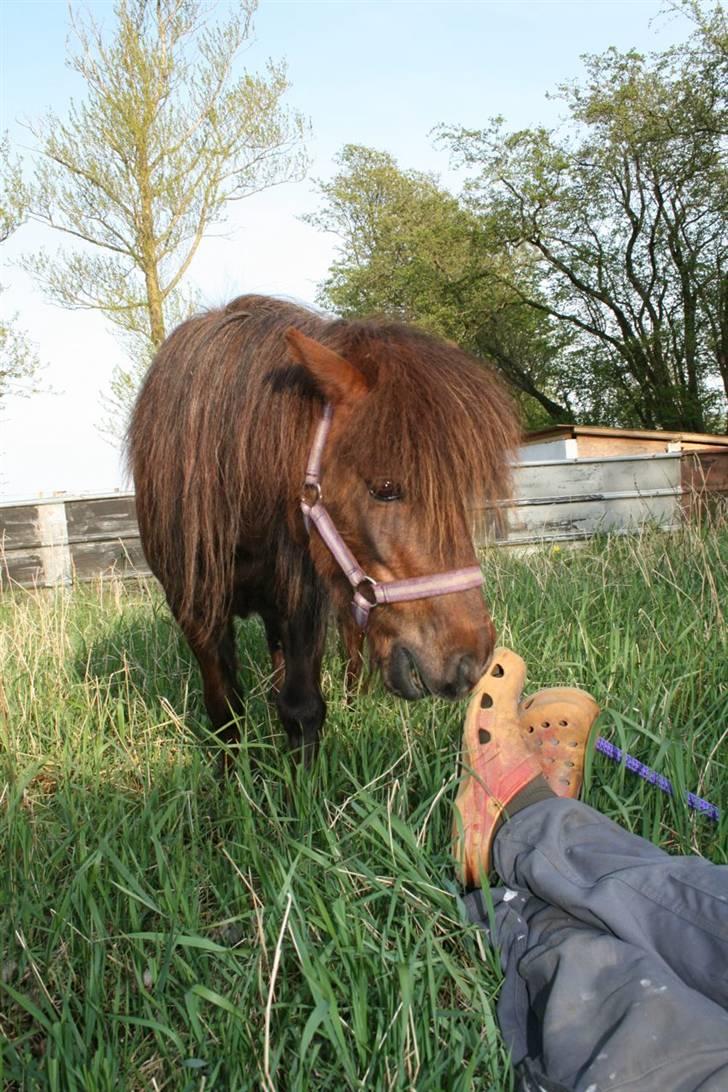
626	215
411	250
19	363
138	171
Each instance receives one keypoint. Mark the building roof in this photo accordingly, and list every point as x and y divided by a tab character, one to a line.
571	432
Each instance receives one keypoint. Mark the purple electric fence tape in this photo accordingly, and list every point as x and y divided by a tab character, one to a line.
655	778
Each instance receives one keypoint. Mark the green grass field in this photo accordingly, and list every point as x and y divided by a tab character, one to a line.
161	929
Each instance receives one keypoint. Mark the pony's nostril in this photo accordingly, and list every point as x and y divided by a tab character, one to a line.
468	672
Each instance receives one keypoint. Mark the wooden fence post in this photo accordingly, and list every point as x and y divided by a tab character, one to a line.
54	549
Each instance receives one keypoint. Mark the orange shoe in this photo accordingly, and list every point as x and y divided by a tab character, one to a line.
556	724
496	763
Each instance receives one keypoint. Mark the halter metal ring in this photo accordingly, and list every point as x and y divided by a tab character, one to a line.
373	602
306	492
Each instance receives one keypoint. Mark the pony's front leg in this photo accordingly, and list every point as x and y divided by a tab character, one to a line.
218	667
274	637
300	703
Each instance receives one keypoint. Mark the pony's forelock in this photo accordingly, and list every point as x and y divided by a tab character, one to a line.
436	420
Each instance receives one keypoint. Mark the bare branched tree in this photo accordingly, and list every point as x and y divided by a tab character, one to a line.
19	364
166	136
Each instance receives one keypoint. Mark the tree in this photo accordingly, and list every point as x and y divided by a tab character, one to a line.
412	251
166	136
626	215
19	363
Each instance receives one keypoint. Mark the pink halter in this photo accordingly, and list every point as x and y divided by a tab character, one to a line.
388	591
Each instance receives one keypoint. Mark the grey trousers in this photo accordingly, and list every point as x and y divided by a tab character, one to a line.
615	956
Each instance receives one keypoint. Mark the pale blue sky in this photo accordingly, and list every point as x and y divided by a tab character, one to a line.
379	73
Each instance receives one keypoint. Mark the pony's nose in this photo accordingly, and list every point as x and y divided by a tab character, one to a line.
463	671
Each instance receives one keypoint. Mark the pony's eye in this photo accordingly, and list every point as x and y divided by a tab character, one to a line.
384	489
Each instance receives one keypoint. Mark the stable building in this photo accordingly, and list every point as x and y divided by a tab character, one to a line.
595	441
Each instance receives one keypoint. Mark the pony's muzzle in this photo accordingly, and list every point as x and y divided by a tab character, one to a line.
410	678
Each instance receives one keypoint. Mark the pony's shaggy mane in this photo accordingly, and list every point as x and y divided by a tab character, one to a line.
223	425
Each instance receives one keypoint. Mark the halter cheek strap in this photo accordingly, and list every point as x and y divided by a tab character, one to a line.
368	593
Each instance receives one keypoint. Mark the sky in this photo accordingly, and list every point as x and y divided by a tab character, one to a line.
378	73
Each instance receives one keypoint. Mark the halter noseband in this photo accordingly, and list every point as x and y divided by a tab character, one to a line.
386	591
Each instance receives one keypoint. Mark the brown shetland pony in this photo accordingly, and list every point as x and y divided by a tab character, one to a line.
218	444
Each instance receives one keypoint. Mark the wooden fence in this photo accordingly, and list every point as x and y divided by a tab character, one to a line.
65	539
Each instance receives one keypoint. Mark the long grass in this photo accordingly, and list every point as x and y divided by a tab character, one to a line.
163	929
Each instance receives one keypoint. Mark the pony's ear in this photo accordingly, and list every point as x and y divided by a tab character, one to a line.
338	380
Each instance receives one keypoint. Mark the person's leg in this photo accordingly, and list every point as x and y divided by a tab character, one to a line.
590	1012
582	1002
675	908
